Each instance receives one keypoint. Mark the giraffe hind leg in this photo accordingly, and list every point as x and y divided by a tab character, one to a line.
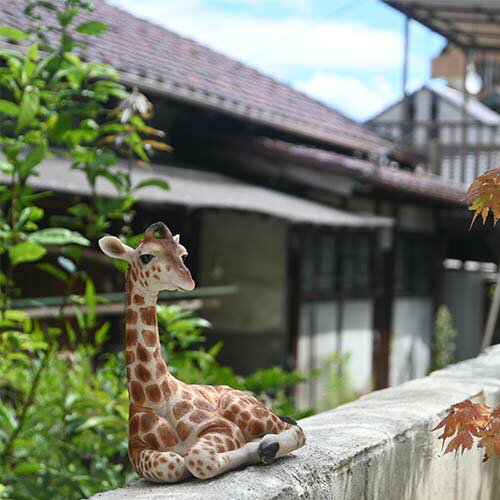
274	446
214	454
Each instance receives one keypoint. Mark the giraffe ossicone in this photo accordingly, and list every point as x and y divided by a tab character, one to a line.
177	430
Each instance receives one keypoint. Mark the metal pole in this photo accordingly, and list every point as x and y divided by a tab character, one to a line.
405	110
492	314
465	100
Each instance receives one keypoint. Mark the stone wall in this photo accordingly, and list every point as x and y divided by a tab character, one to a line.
378	447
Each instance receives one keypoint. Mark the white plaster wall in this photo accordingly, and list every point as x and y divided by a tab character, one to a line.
249	251
379	447
412	326
357	339
315	347
467	309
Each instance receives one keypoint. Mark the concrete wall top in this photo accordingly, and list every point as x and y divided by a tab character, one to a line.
378	447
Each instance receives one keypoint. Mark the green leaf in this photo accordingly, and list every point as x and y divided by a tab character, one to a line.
26	468
54	271
29	107
33	158
67	16
8	108
27	251
95	422
92	28
32	52
6	167
58	236
13	33
102	334
153	182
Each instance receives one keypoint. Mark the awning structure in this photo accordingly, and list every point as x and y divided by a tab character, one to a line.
470	24
199	189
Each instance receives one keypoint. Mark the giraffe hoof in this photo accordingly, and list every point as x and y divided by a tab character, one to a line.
288	420
268	448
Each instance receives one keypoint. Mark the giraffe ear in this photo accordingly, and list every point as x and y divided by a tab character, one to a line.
114	248
177	238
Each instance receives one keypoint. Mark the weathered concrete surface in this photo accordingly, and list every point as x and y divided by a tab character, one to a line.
378	447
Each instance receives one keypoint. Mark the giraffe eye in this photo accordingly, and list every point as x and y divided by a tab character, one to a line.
146	258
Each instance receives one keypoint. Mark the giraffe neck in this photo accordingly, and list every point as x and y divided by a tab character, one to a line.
147	371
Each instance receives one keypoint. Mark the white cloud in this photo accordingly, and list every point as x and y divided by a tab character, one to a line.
358	98
277	45
286	47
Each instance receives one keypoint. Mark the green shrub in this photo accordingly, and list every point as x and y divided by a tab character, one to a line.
444	339
63	412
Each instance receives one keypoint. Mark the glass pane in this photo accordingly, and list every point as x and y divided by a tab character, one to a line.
326	264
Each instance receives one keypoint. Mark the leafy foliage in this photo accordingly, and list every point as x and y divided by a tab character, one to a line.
63	400
484	195
63	424
467	422
444	339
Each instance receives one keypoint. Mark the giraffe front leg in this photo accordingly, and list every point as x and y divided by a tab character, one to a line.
160	466
215	454
152	449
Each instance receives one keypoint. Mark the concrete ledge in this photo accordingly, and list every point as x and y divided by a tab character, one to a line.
378	447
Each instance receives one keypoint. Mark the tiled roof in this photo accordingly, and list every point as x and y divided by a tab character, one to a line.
424	185
196	189
160	60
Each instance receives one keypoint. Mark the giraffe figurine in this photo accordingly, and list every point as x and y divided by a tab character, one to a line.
177	430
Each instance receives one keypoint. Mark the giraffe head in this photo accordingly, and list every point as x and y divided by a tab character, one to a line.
156	262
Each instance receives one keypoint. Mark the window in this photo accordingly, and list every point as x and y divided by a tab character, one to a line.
356	264
414	264
334	263
318	264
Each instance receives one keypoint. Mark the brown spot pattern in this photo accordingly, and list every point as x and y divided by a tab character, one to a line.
148	420
161	369
203	404
143	354
167	435
137	392
152	441
181	408
148	315
256	428
186	395
165	389
234	408
142	373
129	357
198	416
150	337
131	317
133	425
183	430
131	337
216	426
245	416
138	299
259	412
153	393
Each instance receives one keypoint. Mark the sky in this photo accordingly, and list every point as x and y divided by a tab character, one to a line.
346	53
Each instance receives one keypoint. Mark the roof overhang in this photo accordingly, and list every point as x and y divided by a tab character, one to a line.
200	189
470	24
